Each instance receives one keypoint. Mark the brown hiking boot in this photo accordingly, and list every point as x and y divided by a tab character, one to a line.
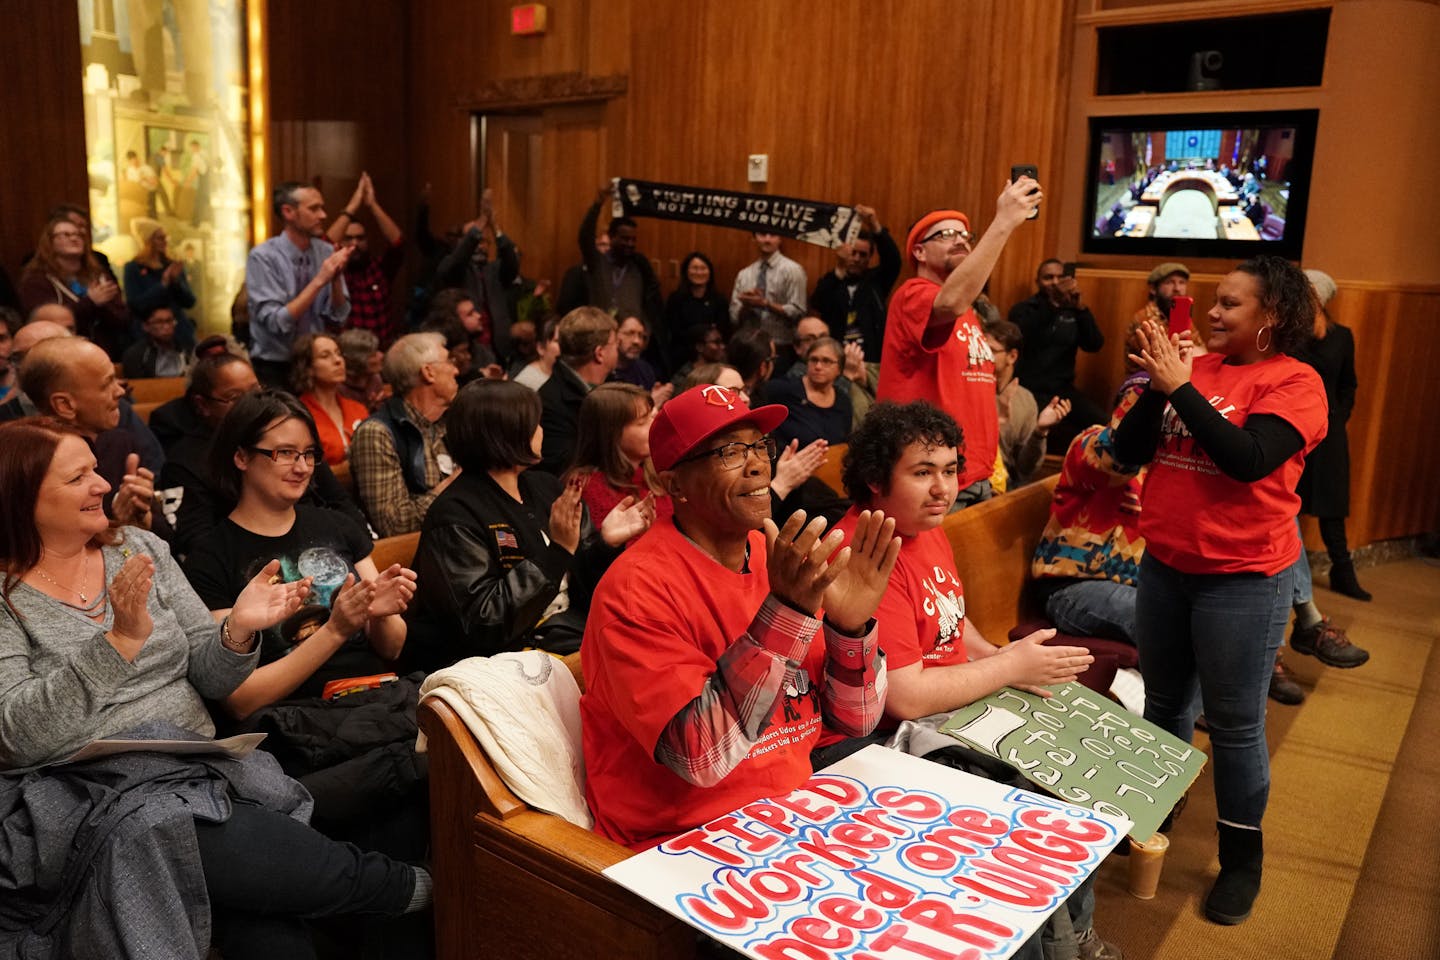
1283	688
1327	643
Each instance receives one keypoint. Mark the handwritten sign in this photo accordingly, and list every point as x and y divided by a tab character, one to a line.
882	856
813	221
1084	749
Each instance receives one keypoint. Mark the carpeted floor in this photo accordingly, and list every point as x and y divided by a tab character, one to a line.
1352	865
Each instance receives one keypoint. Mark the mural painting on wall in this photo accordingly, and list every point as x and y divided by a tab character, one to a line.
166	137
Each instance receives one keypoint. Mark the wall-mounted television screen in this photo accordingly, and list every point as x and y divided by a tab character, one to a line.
1201	185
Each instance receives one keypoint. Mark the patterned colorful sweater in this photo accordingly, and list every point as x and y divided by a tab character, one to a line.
1094	527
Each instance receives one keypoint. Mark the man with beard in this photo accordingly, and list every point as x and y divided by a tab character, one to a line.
934	347
295	282
369	277
1056	326
851	298
1167	281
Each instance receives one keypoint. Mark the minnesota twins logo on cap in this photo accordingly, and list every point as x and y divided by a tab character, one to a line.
718	396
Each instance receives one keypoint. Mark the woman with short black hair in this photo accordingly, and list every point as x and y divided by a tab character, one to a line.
507	555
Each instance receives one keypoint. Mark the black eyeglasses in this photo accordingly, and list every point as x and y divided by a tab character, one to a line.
949	234
734	454
286	456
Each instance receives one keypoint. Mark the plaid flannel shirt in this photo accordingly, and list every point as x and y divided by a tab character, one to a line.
715	731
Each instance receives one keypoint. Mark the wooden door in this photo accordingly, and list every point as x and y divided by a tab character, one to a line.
543	168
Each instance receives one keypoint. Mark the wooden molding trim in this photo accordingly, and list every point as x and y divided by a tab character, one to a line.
550	88
1161	12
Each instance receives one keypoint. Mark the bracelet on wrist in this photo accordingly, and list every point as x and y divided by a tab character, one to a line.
229	642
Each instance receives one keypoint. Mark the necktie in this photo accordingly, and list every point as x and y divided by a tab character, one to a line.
760	280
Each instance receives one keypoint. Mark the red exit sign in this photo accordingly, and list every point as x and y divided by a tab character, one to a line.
527	20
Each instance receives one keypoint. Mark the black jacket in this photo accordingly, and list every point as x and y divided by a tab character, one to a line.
560	399
486	570
1325	486
833	302
1052	336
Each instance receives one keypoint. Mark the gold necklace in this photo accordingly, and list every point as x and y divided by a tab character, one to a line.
84	573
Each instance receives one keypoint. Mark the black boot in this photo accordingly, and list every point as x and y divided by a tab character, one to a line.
1342	580
1241	854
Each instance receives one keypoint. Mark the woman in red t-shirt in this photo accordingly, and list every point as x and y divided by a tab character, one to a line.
1219	507
612	452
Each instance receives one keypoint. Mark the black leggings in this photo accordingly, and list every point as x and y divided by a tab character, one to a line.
267	873
1332	531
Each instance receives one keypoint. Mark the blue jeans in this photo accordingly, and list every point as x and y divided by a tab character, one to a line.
1094	608
1219	632
1304	588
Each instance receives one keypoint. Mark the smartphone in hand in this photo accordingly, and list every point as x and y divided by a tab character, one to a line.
1067	269
1180	315
1019	170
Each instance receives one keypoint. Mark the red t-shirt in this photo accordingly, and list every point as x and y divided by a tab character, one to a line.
1198	520
922	615
958	376
660	619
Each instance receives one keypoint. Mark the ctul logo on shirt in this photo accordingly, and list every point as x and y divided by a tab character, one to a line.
977	351
946	605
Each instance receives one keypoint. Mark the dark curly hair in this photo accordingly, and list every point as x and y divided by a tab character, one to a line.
1287	295
887	430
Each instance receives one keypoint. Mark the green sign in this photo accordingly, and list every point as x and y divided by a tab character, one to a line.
1085	749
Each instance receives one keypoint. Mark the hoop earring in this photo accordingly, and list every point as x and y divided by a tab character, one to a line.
1265	329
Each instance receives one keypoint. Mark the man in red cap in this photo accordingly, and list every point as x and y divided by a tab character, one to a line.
708	669
934	347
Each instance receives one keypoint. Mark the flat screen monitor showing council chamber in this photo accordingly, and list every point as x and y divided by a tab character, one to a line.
1204	185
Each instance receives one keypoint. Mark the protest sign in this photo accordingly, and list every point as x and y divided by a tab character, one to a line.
823	224
882	856
1085	749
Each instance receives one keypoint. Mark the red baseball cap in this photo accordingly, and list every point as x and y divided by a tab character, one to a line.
700	412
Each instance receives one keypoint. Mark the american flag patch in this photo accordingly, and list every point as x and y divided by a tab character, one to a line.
506	539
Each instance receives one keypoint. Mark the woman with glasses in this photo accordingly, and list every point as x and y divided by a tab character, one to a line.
65	270
508	556
335	651
818	411
153	280
101	637
317	372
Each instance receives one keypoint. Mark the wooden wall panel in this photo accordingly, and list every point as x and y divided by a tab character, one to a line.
42	151
337	99
904	110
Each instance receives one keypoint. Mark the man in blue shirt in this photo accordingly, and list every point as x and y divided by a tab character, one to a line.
295	282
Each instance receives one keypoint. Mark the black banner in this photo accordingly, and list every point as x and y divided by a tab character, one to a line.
823	224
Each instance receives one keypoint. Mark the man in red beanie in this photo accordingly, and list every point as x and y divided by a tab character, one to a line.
934	347
708	672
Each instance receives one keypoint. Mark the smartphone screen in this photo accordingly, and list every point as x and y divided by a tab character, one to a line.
1067	269
1019	170
1180	314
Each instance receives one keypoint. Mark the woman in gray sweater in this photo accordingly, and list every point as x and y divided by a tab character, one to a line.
100	633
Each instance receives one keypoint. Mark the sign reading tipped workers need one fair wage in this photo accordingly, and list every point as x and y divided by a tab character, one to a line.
881	855
1085	749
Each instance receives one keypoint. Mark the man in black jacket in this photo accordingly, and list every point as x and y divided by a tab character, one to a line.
588	353
1055	326
851	299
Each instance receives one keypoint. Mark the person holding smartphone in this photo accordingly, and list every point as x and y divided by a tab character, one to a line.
934	347
1056	326
1225	435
